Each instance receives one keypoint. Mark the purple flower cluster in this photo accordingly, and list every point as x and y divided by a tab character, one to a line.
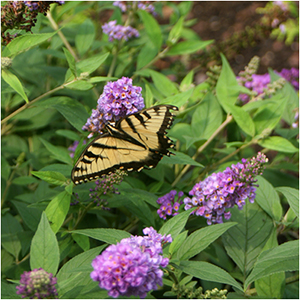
118	32
296	120
34	5
220	191
132	267
37	284
119	98
169	207
259	83
143	5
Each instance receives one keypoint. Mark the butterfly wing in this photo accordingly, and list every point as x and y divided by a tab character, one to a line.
135	141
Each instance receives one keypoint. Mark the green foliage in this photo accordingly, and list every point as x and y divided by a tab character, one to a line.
50	85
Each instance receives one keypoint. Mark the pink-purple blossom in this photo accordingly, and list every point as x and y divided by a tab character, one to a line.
214	195
119	32
119	98
37	284
133	266
74	146
169	206
127	5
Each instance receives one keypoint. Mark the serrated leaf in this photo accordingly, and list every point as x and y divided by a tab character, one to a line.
57	210
283	258
44	250
244	242
175	225
152	28
209	272
292	196
107	235
202	238
50	176
278	143
268	199
14	82
188	47
25	42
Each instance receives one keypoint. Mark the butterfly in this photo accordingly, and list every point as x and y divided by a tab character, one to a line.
131	143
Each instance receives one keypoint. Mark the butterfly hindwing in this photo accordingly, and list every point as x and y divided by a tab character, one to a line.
135	141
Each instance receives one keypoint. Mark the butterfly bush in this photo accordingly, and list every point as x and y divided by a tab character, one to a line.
259	83
119	32
133	266
119	98
168	205
127	5
220	191
37	284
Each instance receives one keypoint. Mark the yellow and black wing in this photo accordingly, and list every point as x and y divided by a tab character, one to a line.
135	141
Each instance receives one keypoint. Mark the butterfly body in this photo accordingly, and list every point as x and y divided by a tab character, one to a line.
131	143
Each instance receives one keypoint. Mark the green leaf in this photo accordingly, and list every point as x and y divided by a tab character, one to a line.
101	79
69	134
180	158
209	272
188	47
80	85
283	258
10	228
30	216
50	176
57	210
187	82
107	235
71	109
175	225
148	97
24	180
292	196
15	83
82	241
147	53
268	117
179	99
85	36
71	273
163	83
44	251
201	239
60	154
242	118
227	88
175	32
206	118
244	242
278	143
268	199
88	65
177	242
25	42
152	28
71	61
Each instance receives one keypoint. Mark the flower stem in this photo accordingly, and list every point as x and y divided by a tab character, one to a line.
61	35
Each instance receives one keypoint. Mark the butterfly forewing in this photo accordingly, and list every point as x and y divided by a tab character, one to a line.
136	141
